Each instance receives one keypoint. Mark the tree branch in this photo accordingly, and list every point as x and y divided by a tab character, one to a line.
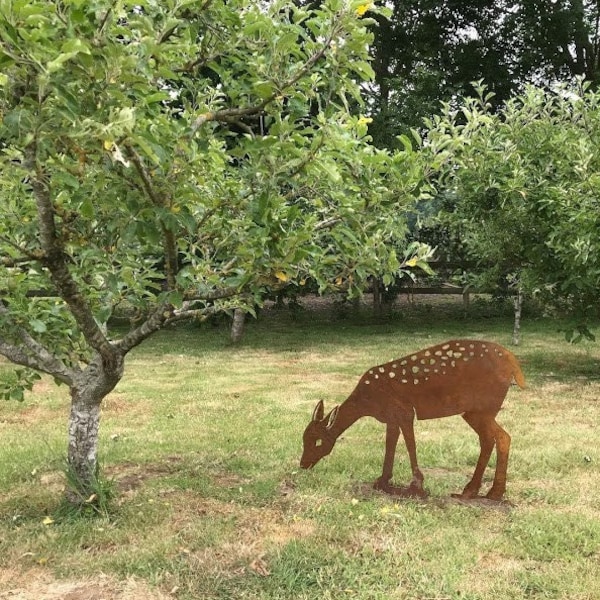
7	261
228	114
169	242
37	357
327	223
151	325
105	18
199	314
28	255
55	260
166	313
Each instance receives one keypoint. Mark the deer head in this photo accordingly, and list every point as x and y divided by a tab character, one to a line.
318	437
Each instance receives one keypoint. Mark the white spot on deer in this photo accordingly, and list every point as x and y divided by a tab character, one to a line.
403	362
445	346
367	382
371	372
453	363
415	369
416	381
376	376
458	354
427	353
413	357
405	381
471	346
394	366
392	374
432	361
438	352
381	370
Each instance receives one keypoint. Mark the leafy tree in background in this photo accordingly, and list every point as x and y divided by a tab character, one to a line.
132	176
428	52
525	184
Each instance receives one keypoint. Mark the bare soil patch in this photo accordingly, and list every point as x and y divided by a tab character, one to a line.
37	586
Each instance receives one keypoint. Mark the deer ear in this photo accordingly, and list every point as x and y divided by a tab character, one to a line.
332	417
318	412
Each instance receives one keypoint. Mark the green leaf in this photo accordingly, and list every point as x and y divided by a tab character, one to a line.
363	69
176	299
87	208
38	326
75	46
17	393
264	89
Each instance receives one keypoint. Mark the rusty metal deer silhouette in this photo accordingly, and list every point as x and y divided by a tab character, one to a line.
459	377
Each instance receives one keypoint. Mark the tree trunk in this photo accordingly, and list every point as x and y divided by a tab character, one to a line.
82	456
237	327
377	297
87	392
517	303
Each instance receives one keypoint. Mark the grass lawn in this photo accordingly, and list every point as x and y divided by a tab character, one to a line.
202	441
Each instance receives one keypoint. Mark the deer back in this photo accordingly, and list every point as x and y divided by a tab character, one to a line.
447	379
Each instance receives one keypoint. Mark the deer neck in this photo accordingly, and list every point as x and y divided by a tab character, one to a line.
348	414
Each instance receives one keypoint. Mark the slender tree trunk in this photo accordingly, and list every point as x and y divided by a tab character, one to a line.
377	297
518	304
237	327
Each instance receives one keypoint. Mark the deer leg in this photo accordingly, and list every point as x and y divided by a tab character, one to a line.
483	425
502	449
408	431
391	440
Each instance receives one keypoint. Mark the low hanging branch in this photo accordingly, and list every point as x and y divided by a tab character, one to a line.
32	354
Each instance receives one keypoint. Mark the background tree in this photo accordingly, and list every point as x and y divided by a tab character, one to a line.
121	190
525	183
428	52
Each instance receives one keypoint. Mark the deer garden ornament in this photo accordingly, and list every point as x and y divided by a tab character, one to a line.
459	377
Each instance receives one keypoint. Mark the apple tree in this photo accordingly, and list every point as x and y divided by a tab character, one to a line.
524	184
173	159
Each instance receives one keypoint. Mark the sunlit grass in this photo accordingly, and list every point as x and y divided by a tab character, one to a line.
203	442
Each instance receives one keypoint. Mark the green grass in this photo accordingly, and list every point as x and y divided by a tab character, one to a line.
203	440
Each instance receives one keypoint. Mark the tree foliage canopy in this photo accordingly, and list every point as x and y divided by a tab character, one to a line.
129	127
177	158
524	183
429	52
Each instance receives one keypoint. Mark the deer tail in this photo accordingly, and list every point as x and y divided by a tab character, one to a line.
516	370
